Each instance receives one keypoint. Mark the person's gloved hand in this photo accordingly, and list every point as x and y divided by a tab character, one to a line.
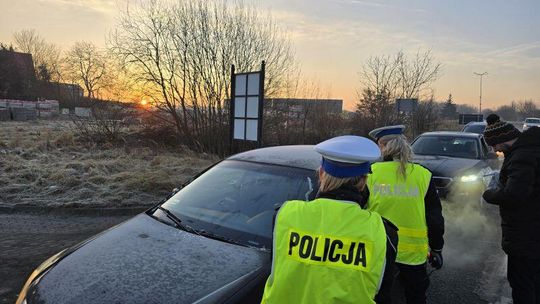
490	196
436	259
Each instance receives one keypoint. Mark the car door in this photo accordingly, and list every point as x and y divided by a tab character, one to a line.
254	292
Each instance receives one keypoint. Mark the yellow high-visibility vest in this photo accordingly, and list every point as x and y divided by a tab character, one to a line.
326	251
402	202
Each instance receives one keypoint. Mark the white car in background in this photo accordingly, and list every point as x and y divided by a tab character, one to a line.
531	122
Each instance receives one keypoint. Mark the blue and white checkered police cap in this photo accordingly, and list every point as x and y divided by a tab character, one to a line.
348	156
387	130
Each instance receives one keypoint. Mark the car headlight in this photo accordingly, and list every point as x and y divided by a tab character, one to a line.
36	273
469	178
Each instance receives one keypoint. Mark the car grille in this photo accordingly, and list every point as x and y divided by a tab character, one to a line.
442	182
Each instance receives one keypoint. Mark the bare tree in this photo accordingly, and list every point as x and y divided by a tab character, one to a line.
508	112
526	108
380	81
425	118
181	54
466	109
298	118
46	56
380	74
373	110
118	85
107	123
385	78
416	74
310	112
86	65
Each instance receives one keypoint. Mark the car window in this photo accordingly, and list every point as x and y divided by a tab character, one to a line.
532	120
452	146
238	199
476	128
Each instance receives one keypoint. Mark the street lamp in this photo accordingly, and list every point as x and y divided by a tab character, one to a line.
481	75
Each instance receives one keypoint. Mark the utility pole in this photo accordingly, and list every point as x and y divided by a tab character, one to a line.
481	75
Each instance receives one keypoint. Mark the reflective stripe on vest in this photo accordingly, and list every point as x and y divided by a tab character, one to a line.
402	202
326	251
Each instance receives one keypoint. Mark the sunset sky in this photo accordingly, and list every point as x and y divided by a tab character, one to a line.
333	38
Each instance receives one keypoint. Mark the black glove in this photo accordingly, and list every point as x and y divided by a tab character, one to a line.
435	259
490	196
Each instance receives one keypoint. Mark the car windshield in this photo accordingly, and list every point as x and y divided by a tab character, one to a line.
237	200
452	146
532	120
476	128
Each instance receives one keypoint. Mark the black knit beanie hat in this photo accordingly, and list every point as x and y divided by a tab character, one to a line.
499	131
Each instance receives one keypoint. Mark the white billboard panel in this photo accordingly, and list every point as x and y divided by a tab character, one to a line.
240	86
252	107
253	84
251	130
239	125
240	107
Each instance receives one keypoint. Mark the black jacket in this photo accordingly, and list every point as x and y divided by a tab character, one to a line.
351	193
518	196
434	218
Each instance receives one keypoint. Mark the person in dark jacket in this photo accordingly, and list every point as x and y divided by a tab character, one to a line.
518	197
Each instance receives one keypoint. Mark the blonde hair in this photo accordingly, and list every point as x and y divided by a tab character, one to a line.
328	182
397	148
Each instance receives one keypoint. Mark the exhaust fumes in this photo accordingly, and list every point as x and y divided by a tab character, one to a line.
469	225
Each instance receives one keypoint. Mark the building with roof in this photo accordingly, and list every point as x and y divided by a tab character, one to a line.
302	106
17	75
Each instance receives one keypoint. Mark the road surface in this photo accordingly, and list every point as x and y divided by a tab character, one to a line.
474	265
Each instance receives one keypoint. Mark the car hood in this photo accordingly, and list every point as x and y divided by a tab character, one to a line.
146	261
447	166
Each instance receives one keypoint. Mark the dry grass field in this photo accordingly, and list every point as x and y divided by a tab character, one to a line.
45	163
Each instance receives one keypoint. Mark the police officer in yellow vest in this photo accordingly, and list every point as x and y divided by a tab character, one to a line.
404	193
330	250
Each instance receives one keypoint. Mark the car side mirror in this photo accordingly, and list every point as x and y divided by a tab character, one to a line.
492	155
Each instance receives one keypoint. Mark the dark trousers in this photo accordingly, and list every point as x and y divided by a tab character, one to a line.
415	282
524	278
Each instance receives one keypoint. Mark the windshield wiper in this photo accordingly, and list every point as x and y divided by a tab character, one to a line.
218	237
180	225
177	222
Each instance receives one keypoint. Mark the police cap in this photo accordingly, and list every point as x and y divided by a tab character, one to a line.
348	156
387	130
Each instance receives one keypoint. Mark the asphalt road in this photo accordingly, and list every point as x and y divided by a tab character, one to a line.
474	270
26	240
474	264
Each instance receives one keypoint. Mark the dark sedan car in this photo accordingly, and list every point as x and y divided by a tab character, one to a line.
208	243
461	163
475	127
